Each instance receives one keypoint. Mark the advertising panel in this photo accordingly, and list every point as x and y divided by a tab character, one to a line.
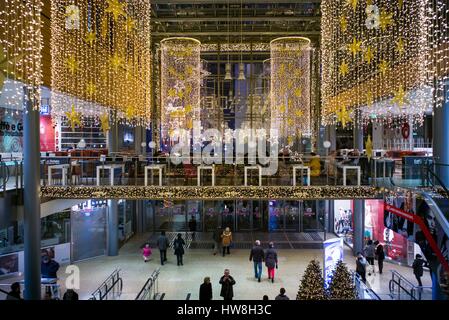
333	251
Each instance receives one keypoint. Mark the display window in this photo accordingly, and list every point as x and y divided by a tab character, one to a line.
344	220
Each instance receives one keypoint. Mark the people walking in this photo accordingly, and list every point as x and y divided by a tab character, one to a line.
49	270
226	240
192	226
257	256
178	245
162	244
146	252
380	255
271	261
361	266
418	268
227	282
281	295
206	290
216	237
369	252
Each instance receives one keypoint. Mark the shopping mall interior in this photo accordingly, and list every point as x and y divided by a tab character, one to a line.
316	128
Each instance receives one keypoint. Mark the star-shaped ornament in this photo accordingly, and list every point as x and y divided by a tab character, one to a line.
399	97
354	47
369	55
91	88
344	68
129	114
116	8
298	92
352	3
116	61
385	20
383	67
72	64
130	24
343	23
400	46
90	38
104	123
343	116
299	113
73	117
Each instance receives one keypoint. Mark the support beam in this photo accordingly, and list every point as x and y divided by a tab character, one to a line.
170	2
32	216
266	19
441	138
234	34
358	134
359	226
112	227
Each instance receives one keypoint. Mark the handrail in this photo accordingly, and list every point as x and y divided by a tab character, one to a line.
361	287
115	279
411	292
149	287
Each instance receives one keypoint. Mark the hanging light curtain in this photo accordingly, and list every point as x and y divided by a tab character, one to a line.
180	84
290	87
101	61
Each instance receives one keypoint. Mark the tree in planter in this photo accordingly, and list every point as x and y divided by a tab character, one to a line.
312	283
341	286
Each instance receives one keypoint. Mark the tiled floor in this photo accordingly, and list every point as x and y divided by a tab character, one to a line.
177	281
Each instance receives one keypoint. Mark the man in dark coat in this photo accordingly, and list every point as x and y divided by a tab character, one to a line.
49	267
257	256
162	244
380	255
14	294
178	245
418	268
227	282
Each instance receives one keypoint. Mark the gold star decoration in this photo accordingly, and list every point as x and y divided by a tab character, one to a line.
189	70
189	123
5	64
343	23
299	113
72	64
400	46
298	73
289	140
289	84
343	116
354	47
91	88
290	122
180	94
383	67
130	24
400	4
129	113
74	118
369	55
282	108
188	108
369	98
385	20
116	61
171	92
399	97
90	38
188	90
116	8
369	147
352	3
104	122
298	92
344	68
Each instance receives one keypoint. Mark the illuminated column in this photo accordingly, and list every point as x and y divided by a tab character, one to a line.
359	226
290	87
441	138
180	84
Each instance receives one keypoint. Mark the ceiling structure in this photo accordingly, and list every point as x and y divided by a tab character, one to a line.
215	21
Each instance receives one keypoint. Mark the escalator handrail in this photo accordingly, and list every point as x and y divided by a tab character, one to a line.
446	190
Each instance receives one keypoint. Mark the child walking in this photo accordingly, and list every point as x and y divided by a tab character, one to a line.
146	252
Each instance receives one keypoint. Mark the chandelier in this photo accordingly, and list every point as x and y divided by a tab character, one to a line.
290	87
180	84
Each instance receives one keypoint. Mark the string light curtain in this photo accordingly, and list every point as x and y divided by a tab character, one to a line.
290	87
180	84
374	58
20	52
101	61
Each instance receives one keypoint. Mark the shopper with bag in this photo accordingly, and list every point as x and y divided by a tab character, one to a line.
226	240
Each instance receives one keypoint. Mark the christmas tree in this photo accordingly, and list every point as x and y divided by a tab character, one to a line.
312	283
341	286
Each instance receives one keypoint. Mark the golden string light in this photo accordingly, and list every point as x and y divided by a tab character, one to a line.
290	87
180	84
20	52
101	60
374	58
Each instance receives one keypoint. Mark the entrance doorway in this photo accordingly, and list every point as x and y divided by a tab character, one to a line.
283	215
